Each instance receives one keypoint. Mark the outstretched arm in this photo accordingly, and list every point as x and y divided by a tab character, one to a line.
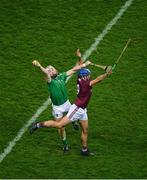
78	53
81	61
80	64
37	64
100	78
77	67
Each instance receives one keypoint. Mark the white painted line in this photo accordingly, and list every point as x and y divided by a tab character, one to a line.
20	133
107	29
88	52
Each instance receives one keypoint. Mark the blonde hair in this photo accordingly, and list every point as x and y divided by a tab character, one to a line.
49	66
52	67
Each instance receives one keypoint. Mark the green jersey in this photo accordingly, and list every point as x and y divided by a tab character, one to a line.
57	89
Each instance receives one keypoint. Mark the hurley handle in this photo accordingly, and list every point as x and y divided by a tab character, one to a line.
114	66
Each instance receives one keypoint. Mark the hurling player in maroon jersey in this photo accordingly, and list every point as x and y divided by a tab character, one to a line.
78	110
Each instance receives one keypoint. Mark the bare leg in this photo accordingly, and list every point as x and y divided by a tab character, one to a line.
84	134
50	123
57	124
62	134
61	131
84	137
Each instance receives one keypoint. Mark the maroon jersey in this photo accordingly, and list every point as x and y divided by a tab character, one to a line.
84	93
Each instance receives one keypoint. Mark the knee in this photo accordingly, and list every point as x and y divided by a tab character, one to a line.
85	130
59	125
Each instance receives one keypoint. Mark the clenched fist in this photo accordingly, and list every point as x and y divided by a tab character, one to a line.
36	63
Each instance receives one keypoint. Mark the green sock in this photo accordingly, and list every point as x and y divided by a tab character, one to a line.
64	142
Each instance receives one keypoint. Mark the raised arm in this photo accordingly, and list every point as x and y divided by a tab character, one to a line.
81	61
77	67
44	70
78	53
100	78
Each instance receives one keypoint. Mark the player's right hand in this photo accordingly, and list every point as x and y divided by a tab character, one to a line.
87	63
36	63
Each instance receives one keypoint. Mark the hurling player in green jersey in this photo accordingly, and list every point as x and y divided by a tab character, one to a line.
58	93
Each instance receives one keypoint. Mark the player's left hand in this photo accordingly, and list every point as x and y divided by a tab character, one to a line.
109	70
87	63
78	53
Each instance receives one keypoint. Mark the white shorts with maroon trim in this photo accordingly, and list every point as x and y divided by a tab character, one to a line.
76	113
58	111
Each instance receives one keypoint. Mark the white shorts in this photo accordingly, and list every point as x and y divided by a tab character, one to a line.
58	111
76	113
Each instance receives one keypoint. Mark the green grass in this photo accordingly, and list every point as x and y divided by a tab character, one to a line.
51	31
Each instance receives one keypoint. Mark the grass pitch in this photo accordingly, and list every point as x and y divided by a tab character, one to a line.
51	31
